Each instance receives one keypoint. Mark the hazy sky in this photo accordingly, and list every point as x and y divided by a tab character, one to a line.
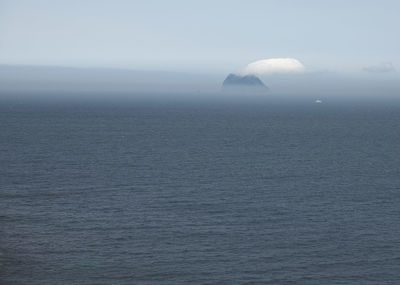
199	35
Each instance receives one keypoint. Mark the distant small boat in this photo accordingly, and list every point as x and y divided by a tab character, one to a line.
318	101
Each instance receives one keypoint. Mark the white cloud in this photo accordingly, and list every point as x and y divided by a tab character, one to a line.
380	68
274	66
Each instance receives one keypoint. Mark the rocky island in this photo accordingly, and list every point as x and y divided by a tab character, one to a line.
245	83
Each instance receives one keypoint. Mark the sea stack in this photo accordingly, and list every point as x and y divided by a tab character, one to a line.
246	83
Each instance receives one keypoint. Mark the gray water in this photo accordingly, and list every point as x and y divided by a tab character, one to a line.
200	194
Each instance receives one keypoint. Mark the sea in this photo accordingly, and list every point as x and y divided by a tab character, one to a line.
200	192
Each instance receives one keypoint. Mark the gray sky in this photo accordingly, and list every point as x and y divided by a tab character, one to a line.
199	35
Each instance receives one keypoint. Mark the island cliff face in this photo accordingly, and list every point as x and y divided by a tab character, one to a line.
249	83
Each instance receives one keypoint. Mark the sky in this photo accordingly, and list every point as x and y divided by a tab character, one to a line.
202	36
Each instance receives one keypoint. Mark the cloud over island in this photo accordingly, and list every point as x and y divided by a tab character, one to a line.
273	66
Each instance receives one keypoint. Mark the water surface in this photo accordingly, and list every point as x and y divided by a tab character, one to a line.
200	193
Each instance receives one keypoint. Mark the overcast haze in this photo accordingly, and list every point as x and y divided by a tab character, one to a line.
203	36
315	48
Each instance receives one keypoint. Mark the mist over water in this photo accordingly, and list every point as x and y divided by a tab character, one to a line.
60	84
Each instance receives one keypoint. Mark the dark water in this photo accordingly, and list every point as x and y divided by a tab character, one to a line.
225	194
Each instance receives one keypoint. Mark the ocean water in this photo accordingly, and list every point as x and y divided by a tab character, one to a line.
200	194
